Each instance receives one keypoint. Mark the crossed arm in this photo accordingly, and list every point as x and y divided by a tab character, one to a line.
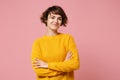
70	63
37	63
41	68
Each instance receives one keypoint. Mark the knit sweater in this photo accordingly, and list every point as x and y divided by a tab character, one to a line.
53	50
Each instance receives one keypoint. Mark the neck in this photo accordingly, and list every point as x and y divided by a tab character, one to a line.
51	32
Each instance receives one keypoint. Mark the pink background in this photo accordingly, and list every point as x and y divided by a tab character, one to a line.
95	25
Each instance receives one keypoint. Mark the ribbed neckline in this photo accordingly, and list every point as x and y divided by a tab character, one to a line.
53	36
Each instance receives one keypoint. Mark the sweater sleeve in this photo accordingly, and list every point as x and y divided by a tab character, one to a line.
41	71
69	65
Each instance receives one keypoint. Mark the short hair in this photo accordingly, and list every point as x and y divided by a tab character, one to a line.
55	10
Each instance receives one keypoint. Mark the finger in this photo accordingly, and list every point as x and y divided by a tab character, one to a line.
36	67
70	57
69	54
36	59
34	62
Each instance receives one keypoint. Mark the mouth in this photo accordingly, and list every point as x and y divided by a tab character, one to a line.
55	24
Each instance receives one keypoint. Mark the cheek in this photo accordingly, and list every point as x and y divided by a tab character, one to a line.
59	21
49	21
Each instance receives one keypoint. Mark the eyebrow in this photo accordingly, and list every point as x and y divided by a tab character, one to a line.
55	14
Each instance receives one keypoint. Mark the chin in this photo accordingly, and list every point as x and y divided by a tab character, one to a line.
55	27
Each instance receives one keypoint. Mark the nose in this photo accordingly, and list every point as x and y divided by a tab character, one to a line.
56	20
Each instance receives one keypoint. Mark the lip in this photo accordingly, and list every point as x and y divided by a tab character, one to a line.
55	24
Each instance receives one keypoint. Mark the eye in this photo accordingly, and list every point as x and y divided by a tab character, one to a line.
52	17
60	19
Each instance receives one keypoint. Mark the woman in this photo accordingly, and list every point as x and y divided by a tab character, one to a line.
54	55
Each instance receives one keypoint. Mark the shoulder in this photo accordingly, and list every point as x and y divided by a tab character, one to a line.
68	35
37	40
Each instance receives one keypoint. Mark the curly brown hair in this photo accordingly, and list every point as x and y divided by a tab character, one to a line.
55	10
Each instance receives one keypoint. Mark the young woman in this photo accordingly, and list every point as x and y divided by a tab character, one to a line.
54	55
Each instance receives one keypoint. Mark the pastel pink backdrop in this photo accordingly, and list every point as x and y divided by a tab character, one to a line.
95	25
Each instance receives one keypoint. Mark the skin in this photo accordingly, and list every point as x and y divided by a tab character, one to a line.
54	22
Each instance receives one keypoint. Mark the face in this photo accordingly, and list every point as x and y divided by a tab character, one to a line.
54	21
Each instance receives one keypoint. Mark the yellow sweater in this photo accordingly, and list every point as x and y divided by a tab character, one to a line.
53	50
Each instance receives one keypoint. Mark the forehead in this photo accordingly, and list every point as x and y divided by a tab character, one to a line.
56	15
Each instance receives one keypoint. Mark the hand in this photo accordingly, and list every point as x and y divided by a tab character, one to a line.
69	56
37	63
